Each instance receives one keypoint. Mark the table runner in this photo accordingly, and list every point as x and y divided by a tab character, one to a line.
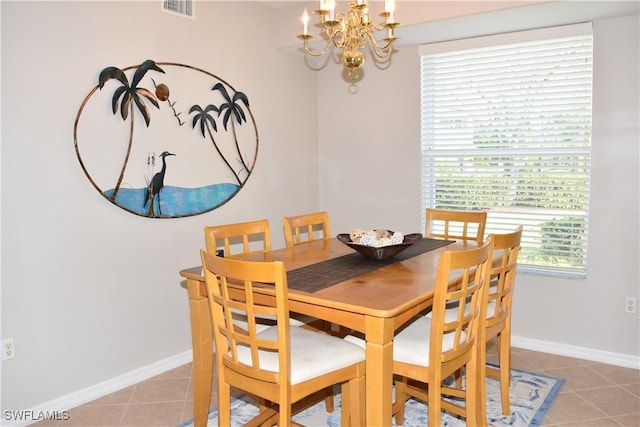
327	273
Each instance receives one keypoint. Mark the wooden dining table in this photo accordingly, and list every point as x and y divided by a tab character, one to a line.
376	303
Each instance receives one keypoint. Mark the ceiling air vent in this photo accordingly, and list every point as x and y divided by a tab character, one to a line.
182	8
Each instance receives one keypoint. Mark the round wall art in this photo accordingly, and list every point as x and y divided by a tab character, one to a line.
165	140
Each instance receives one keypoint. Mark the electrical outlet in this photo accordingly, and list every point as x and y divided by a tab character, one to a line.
630	305
8	350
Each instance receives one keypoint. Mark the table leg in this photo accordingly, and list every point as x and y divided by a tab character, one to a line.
201	337
379	370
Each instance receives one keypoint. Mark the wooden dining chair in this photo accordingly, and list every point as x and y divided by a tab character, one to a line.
306	227
430	349
237	238
453	224
495	317
282	366
496	313
253	235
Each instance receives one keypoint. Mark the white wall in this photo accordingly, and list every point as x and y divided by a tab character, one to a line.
369	173
590	312
89	291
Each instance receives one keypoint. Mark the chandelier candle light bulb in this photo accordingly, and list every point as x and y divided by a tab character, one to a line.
329	6
352	31
305	22
390	8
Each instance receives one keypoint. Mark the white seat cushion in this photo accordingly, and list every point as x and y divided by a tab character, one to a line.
312	353
411	345
451	314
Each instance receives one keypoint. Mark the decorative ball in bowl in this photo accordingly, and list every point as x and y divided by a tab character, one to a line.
380	252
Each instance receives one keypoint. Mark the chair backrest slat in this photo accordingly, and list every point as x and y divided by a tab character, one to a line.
228	236
452	224
312	226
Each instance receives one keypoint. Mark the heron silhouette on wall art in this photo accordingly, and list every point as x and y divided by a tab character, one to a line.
155	186
136	94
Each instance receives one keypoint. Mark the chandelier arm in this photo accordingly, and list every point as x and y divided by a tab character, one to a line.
308	50
342	42
373	27
381	51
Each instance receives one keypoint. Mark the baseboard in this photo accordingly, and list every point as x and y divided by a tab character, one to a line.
80	397
610	358
88	394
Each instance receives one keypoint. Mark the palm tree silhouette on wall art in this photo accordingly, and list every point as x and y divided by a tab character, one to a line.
208	122
199	179
232	106
131	96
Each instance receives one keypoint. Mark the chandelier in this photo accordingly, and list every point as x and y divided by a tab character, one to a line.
350	32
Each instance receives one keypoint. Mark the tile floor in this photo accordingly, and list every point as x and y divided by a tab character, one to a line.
595	394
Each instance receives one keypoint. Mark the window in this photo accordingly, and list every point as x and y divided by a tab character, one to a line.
506	127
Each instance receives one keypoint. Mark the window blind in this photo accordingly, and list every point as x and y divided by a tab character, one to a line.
506	127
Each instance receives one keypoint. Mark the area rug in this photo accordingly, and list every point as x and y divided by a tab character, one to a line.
531	395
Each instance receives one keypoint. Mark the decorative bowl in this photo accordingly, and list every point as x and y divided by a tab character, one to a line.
383	252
